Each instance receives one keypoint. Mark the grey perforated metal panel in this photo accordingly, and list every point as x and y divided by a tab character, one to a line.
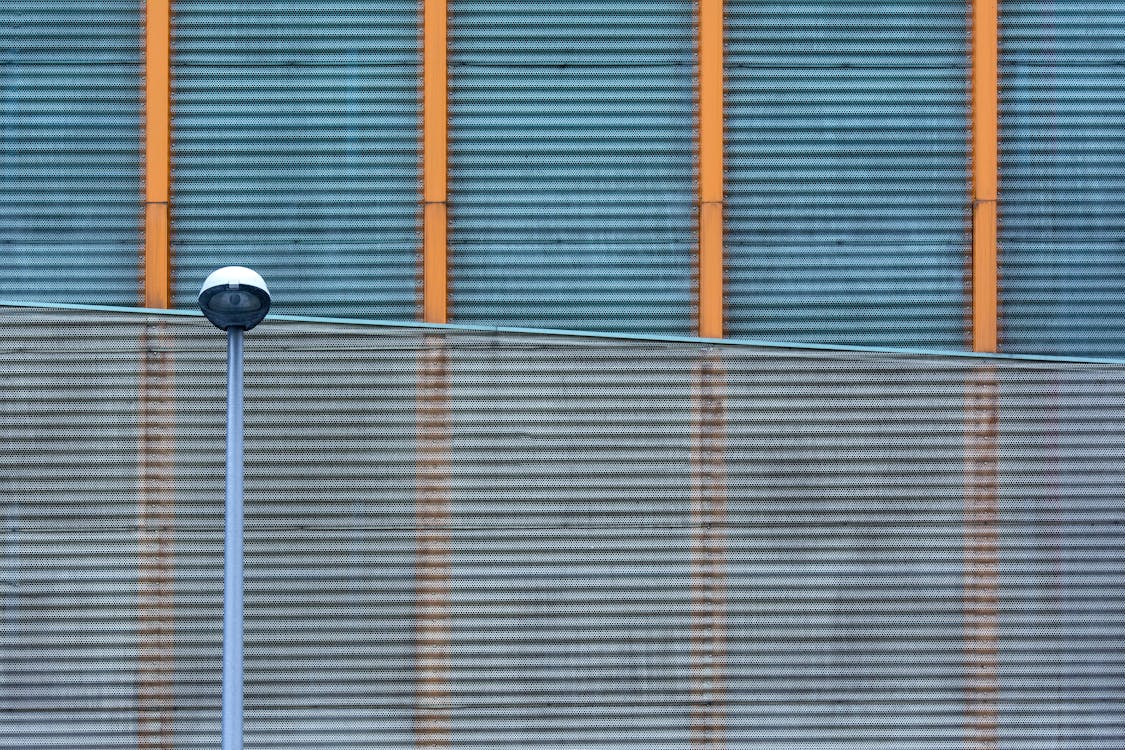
296	140
71	190
847	172
1061	163
572	160
483	540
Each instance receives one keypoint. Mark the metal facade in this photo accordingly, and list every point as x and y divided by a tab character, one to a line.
1062	161
572	164
70	150
565	164
296	151
488	540
847	213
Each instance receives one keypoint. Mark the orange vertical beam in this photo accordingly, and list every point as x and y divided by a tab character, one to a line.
435	161
711	168
158	153
986	146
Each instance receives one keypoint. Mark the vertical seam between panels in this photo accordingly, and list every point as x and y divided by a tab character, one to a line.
158	154
709	595
435	161
985	174
982	559
710	210
433	616
155	540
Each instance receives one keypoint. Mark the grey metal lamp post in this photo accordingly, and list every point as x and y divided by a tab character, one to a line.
235	299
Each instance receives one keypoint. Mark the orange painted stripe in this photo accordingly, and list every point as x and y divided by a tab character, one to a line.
158	153
158	272
435	160
711	168
711	270
985	294
986	170
434	264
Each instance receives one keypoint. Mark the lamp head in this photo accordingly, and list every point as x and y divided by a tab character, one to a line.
234	297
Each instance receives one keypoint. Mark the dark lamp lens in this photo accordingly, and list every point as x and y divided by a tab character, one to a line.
242	307
230	301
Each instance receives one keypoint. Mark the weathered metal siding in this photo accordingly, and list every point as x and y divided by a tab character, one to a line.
490	540
1062	163
296	151
572	164
847	199
71	150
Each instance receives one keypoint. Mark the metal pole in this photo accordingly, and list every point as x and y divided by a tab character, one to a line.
232	567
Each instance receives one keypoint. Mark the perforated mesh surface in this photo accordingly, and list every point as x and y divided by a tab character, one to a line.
489	540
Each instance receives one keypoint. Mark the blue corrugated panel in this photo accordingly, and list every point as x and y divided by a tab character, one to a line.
848	209
71	195
1062	177
572	164
297	151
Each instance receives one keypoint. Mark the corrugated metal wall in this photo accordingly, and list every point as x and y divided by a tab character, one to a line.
1061	177
296	151
70	150
573	163
847	151
572	160
489	540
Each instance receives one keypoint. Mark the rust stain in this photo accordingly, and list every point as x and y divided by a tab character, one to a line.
155	555
432	563
982	560
708	555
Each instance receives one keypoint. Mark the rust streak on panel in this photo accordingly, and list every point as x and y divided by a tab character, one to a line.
155	555
432	566
708	555
982	559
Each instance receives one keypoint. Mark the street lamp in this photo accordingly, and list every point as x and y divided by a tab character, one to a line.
235	299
